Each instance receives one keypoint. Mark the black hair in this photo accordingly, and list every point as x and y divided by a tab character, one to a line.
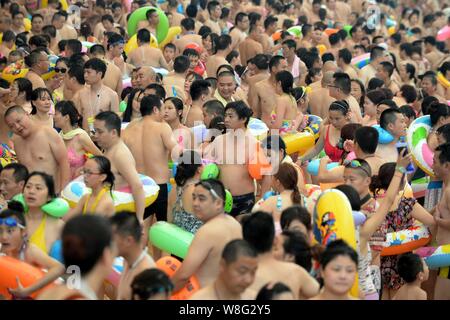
85	30
8	35
223	42
237	248
327	56
241	109
127	224
77	71
114	39
159	90
426	102
275	61
383	179
409	265
388	116
436	111
97	65
408	111
367	139
286	80
442	130
104	167
48	180
74	45
26	86
214	107
178	104
111	119
36	94
376	52
269	21
340	105
20	172
351	193
311	74
191	11
187	167
126	117
233	54
84	239
148	103
374	84
337	248
213	184
181	64
67	107
150	12
212	5
143	36
199	87
342	81
259	230
293	213
149	283
50	30
15	209
409	93
345	55
239	17
261	61
296	244
388	67
334	38
108	17
274	141
170	45
278	288
444	156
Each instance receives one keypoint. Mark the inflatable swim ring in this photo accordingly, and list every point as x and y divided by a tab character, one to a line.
384	137
312	125
443	34
313	166
440	258
170	238
332	220
257	128
140	15
132	43
361	61
416	137
56	208
358	217
123	201
443	80
406	240
7	155
312	194
300	142
11	269
170	265
14	71
171	35
296	31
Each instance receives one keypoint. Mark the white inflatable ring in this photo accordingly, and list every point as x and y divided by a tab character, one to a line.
406	240
123	201
416	137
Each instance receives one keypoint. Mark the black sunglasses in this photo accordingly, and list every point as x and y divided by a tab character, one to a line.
62	70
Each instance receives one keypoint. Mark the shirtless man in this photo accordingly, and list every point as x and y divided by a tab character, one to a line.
38	63
432	54
12	180
344	60
215	11
187	35
385	71
377	55
233	152
127	234
226	87
251	46
113	75
199	92
107	126
8	42
115	46
261	72
145	76
264	96
96	97
64	30
259	230
356	34
144	55
441	213
295	66
393	121
270	27
340	90
429	86
237	272
204	255
174	82
151	23
223	47
238	34
152	144
320	99
39	148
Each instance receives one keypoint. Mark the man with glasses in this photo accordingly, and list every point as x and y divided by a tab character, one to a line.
38	64
204	255
340	90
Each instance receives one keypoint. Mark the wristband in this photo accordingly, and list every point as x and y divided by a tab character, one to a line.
400	169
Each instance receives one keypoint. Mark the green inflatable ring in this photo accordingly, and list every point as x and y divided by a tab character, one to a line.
170	238
140	14
210	171
347	28
228	201
56	208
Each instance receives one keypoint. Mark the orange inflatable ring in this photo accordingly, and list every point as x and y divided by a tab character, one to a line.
170	265
11	268
258	164
406	240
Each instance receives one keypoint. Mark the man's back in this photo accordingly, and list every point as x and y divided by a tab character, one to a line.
132	137
213	63
248	49
319	102
183	41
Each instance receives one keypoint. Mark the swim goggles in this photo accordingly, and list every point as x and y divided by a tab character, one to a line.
11	222
355	164
209	187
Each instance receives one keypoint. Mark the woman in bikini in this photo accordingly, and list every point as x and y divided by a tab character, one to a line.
172	114
98	177
77	141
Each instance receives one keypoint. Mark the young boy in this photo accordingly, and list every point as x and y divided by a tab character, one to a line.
414	271
169	54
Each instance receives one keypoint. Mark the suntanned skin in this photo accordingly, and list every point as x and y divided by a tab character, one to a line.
39	148
144	55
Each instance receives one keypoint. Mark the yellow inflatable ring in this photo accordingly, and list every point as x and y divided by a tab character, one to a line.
132	43
14	71
64	5
300	142
443	80
123	201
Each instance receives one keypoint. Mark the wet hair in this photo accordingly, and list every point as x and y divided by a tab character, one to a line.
426	102
26	86
214	107
84	239
444	156
127	224
293	213
181	64
442	130
288	177
20	172
241	109
383	179
345	55
178	104
143	36
104	167
76	71
111	119
190	162
286	80
148	103
237	248
367	139
295	243
126	117
436	111
388	116
409	265
199	87
48	181
335	249
374	84
278	288
149	283
259	230
67	107
340	105
408	111
39	93
342	81
159	90
97	65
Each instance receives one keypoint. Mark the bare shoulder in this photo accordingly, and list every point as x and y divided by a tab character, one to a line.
203	294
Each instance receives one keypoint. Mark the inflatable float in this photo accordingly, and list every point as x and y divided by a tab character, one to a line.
416	138
406	240
140	15
57	208
170	238
440	258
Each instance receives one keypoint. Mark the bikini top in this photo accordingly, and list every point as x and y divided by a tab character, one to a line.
38	237
333	152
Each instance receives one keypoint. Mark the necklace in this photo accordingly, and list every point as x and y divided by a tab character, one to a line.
138	260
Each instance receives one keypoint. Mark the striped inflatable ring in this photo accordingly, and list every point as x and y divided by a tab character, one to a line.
416	138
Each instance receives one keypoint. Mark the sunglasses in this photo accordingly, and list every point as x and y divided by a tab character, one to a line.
11	222
355	164
62	70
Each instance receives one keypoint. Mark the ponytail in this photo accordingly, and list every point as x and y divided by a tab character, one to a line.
296	196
